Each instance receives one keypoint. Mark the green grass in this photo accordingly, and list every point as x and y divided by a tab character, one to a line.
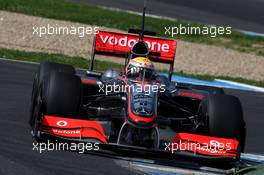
80	62
87	14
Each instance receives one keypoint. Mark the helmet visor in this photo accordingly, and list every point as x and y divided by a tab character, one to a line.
139	73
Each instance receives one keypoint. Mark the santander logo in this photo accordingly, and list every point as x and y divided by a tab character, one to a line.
124	41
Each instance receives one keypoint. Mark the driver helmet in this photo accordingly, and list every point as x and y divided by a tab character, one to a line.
140	68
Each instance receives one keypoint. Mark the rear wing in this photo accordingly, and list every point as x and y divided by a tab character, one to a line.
120	44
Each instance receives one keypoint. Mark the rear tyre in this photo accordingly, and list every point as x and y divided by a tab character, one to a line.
225	118
43	71
211	90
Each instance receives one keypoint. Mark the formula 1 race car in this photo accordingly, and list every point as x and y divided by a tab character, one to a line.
136	108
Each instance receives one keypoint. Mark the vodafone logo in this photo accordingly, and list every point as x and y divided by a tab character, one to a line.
66	132
125	42
62	123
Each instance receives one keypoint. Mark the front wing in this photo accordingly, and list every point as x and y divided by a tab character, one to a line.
181	144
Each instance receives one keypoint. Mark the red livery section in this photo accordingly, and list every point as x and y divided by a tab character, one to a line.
89	81
115	44
192	95
205	145
73	128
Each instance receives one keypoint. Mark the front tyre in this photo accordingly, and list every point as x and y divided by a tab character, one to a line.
44	70
59	95
225	118
62	95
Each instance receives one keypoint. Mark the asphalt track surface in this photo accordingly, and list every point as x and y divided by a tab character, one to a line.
240	14
17	156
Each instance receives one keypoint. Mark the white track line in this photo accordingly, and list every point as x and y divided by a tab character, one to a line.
259	89
138	13
256	88
19	61
31	62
